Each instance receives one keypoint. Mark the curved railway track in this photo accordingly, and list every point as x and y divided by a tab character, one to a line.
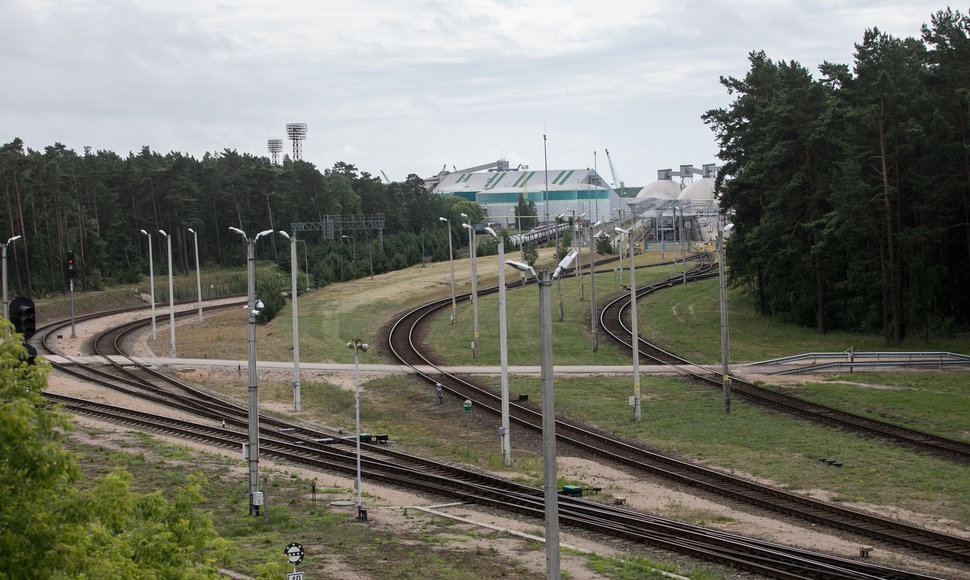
425	476
613	321
405	341
161	389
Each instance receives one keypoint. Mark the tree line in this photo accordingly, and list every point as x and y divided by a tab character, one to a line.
96	203
850	192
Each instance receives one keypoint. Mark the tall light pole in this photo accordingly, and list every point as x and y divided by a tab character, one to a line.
451	258
472	243
725	376
296	322
358	346
151	280
198	271
549	483
579	259
6	302
252	311
634	333
171	298
545	157
559	280
503	431
306	263
592	283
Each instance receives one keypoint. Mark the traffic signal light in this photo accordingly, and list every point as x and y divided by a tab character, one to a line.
70	264
22	316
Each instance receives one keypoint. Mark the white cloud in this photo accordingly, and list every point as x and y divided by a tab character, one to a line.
407	86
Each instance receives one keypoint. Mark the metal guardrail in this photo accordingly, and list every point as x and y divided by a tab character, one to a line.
850	355
851	360
854	365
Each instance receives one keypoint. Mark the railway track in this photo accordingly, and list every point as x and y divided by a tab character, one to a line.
425	476
436	478
405	341
614	319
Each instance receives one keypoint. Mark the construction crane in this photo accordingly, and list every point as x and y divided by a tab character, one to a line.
616	181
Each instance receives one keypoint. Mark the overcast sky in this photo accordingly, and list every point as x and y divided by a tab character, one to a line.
408	86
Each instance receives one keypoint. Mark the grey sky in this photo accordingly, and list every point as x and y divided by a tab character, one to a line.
408	86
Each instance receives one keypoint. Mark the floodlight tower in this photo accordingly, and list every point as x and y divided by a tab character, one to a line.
296	133
275	147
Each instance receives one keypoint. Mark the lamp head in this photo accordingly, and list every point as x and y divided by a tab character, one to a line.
13	239
262	233
163	233
444	219
284	234
522	267
565	263
238	231
491	232
191	231
146	233
621	230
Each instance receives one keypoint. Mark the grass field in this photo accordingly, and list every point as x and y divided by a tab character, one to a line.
680	418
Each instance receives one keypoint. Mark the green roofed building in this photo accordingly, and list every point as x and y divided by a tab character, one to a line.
497	188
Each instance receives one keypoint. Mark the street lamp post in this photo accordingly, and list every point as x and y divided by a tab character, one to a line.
6	302
296	321
725	376
579	260
634	333
151	280
252	311
198	271
559	280
171	298
472	243
451	258
504	432
358	346
549	475
592	284
306	263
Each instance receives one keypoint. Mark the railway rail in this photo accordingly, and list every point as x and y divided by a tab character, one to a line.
425	476
406	338
166	391
613	320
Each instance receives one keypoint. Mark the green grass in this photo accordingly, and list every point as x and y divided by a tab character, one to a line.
687	321
688	421
433	547
932	402
572	340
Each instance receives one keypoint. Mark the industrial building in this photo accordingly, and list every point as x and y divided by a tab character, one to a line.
497	187
667	208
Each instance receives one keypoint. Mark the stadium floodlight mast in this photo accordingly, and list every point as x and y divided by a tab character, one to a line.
504	433
252	311
451	258
171	298
6	302
296	321
151	280
592	283
358	346
198	270
549	484
634	333
472	243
